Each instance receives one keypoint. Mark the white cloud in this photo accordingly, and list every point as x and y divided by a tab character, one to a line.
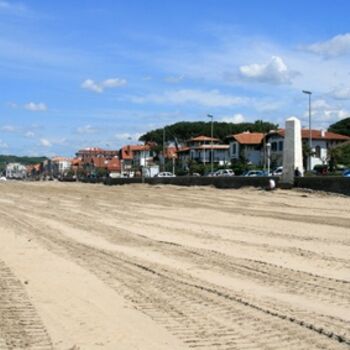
8	128
174	79
324	113
3	144
336	114
91	85
337	46
87	129
236	119
320	104
45	143
36	107
13	105
127	137
273	72
13	7
341	93
211	98
29	134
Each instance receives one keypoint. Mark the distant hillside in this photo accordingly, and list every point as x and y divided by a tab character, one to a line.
23	160
185	130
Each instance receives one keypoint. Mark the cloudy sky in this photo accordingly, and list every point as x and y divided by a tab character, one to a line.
100	73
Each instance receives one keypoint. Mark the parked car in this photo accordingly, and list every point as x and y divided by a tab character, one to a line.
346	173
165	174
212	173
224	172
278	171
254	173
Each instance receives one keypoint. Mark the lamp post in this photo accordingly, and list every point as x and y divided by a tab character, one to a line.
268	151
163	167
174	164
211	142
310	132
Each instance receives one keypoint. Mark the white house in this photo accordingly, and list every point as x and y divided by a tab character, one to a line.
247	145
16	171
61	165
322	141
202	149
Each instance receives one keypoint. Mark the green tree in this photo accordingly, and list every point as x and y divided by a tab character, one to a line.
341	127
183	131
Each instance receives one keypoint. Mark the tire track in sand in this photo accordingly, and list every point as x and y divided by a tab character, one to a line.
20	325
201	314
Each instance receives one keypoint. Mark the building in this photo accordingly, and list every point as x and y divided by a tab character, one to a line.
248	146
61	166
93	159
322	141
136	156
86	154
16	171
202	149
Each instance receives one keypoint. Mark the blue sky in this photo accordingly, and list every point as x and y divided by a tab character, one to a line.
100	73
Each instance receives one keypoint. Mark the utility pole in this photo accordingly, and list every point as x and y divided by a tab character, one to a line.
164	148
310	132
211	143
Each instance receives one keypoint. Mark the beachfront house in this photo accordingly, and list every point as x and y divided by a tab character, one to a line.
322	141
16	171
202	149
246	146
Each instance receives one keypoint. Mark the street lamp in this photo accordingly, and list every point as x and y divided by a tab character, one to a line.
163	149
174	163
310	132
268	151
211	142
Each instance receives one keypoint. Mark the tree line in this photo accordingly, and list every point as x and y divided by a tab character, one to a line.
182	131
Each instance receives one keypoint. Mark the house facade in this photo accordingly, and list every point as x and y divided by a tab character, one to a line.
202	149
61	166
16	171
136	156
97	159
248	146
322	141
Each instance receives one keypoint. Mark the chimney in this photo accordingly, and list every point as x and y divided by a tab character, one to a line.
323	133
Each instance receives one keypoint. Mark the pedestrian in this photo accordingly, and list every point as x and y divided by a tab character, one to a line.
297	172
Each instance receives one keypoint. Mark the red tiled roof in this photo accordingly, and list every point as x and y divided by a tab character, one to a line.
202	138
183	149
170	152
76	161
127	151
317	135
114	165
99	162
248	138
60	159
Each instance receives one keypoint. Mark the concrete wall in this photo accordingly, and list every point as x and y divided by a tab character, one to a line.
337	184
219	182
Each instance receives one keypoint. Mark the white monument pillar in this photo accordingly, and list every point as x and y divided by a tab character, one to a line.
292	150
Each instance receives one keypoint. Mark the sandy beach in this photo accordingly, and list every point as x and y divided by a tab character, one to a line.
165	267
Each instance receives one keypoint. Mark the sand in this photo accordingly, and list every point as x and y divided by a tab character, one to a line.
164	267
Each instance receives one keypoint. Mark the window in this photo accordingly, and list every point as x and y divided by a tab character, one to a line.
274	146
280	146
234	148
318	151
